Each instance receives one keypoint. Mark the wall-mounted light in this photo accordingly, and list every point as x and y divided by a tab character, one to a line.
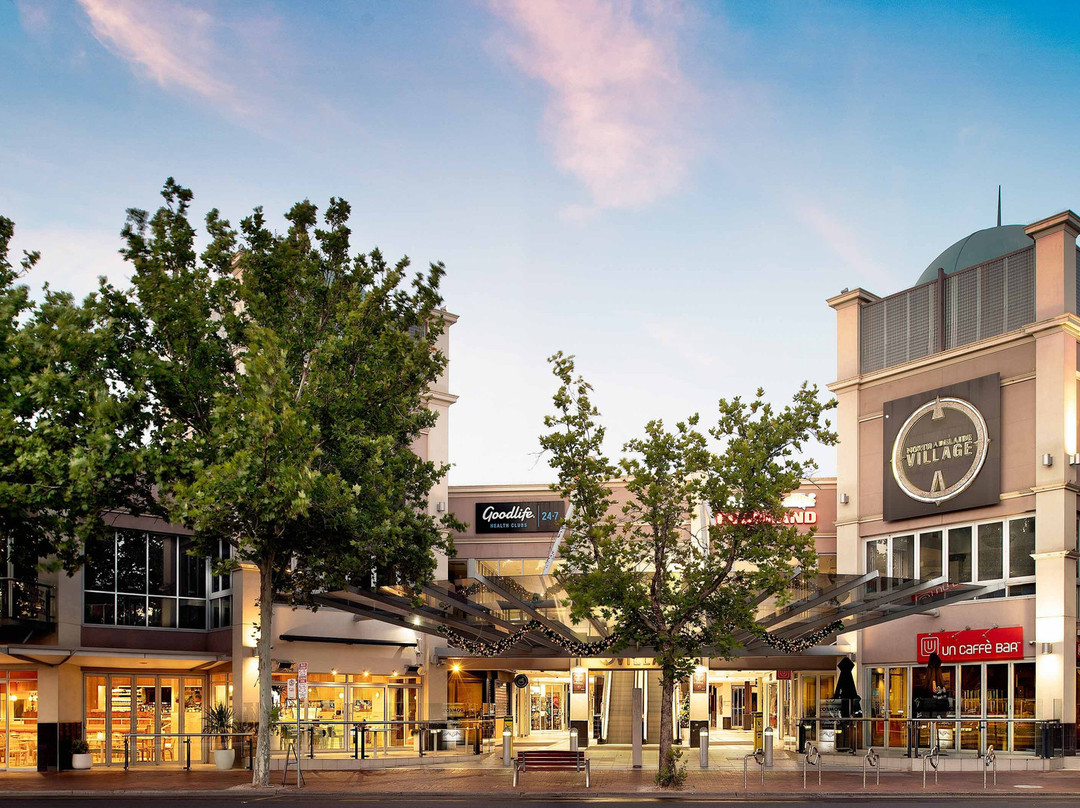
844	499
1048	648
440	506
1074	459
1048	460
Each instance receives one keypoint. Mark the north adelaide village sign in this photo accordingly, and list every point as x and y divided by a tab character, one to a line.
941	451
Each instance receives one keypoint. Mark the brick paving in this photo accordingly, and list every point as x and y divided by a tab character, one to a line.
473	780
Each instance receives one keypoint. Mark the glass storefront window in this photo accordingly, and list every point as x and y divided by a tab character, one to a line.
897	709
960	555
903	557
990	552
930	555
120	714
97	706
809	696
1021	546
964	554
1024	706
21	701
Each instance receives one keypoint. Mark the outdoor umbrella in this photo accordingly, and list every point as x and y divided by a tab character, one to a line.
851	703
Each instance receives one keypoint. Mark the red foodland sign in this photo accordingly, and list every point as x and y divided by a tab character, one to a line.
800	507
976	645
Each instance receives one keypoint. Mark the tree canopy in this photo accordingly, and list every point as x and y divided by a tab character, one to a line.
290	381
73	421
640	567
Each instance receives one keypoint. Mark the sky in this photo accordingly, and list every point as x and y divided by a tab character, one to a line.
670	191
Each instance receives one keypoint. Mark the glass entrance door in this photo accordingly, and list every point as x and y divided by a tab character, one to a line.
148	716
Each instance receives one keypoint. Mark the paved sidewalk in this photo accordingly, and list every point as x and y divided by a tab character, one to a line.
465	781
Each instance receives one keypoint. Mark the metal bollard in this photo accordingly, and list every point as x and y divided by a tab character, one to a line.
508	740
703	740
768	748
573	740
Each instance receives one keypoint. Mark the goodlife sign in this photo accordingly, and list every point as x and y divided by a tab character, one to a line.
518	517
972	646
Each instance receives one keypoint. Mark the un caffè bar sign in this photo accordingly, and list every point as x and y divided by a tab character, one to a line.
941	449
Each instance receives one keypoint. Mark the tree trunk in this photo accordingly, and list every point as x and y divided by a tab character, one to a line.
261	775
667	726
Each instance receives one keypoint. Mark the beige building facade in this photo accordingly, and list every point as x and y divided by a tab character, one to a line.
1000	305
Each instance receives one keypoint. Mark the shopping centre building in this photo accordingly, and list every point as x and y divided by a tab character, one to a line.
947	547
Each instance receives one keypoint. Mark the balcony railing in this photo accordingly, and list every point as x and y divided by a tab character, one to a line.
27	605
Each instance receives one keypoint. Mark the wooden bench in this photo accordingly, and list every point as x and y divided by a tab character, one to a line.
551	760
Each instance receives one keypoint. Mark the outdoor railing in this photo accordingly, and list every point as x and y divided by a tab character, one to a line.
360	740
953	735
156	747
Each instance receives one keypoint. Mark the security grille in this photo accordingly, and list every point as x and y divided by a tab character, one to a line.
980	302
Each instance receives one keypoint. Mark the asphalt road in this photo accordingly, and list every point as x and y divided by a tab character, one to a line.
294	800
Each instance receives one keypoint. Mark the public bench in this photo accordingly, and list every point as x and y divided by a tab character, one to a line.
551	760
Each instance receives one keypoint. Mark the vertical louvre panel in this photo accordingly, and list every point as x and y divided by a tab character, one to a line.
872	337
991	299
979	303
962	305
1020	289
922	335
896	330
1078	280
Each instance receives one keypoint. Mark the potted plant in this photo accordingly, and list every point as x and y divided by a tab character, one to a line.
80	754
219	721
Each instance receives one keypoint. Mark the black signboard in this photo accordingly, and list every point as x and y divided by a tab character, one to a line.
519	517
941	449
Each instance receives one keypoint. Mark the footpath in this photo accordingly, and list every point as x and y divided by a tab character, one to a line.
487	782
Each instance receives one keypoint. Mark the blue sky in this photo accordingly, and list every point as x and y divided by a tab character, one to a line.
667	190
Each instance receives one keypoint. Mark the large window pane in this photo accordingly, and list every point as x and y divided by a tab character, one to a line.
161	564
877	557
903	557
1024	706
99	608
130	561
971	702
930	554
161	612
130	610
990	552
100	564
960	555
192	572
1021	546
192	614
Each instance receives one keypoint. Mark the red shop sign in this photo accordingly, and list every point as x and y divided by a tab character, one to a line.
977	645
783	675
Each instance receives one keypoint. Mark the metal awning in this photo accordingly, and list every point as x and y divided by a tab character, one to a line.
529	611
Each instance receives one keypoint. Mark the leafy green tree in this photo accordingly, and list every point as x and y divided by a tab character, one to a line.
72	421
639	566
290	382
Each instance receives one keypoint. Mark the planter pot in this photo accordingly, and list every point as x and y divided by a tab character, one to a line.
83	761
223	758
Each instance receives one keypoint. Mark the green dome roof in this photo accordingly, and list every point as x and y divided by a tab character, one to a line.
980	246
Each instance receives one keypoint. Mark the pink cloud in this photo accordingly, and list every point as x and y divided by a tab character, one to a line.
172	43
619	104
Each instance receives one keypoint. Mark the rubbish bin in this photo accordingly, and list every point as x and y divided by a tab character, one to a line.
806	733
